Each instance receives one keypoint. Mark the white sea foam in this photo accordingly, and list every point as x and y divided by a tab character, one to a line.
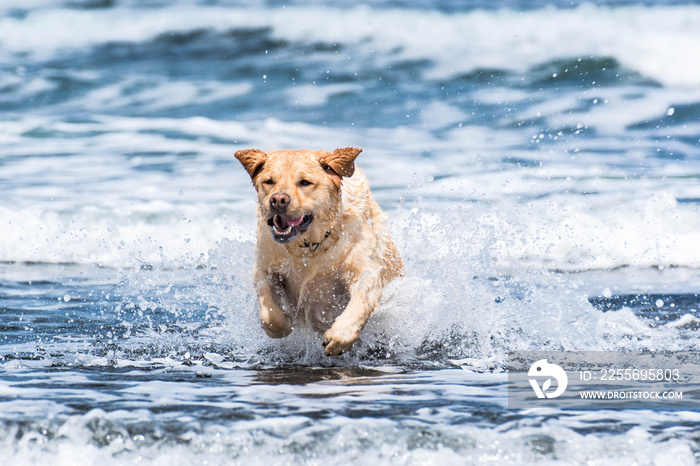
131	437
161	96
312	95
660	43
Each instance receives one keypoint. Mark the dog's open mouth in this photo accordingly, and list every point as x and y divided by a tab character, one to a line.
285	229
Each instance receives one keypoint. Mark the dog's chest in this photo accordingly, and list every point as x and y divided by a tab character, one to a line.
311	296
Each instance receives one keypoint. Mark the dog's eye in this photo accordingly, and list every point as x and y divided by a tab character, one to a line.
305	183
269	182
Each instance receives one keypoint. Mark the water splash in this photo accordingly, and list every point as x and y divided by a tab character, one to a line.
453	305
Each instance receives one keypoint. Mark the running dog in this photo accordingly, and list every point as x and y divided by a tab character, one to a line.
323	251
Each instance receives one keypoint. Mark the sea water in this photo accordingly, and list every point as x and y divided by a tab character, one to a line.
539	163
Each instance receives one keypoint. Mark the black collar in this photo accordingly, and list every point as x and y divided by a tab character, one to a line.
314	246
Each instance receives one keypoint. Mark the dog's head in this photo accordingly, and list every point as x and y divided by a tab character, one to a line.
298	190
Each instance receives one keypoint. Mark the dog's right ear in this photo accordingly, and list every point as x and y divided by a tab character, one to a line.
252	160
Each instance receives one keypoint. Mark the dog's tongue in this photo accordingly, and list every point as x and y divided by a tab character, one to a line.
282	222
295	222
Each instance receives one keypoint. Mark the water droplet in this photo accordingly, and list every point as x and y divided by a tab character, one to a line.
670	111
659	303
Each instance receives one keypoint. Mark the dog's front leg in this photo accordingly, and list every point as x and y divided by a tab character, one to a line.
275	322
365	294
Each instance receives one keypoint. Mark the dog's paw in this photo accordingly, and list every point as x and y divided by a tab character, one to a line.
339	339
278	327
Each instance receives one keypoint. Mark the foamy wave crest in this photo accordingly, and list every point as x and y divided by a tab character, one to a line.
131	437
659	43
583	233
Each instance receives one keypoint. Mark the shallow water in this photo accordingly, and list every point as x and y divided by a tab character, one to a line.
539	163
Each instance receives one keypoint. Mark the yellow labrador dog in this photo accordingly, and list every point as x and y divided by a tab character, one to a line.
323	251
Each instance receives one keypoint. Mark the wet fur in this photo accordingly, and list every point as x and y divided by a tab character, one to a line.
329	277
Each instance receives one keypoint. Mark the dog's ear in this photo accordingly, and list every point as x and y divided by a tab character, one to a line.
340	161
252	160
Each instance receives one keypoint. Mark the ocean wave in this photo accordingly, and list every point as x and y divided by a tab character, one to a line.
120	437
656	42
130	437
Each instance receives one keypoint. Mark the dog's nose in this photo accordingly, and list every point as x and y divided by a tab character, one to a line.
279	201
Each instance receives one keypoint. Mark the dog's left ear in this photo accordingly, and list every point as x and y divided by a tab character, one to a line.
252	160
341	161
